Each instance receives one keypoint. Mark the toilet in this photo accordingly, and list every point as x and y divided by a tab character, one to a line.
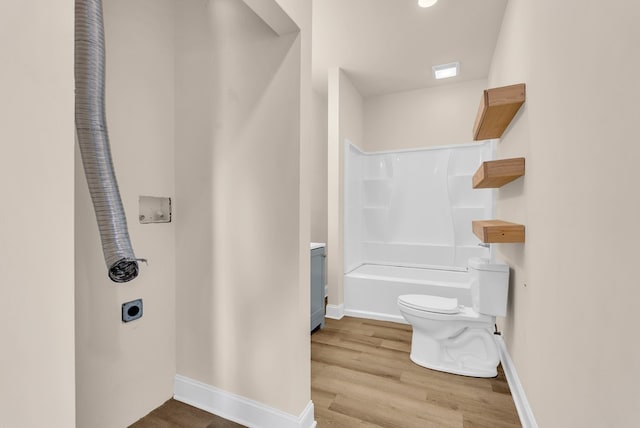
459	339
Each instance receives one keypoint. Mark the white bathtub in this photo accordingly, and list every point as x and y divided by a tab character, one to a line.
371	291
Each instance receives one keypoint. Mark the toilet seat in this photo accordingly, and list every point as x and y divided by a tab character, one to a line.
411	303
424	302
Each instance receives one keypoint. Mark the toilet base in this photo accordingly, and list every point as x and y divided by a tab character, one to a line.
455	369
472	352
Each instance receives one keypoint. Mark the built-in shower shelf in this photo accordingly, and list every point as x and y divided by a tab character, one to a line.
498	106
497	173
498	231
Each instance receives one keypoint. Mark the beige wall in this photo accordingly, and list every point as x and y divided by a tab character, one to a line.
351	110
300	12
242	255
318	169
421	118
345	122
123	371
36	221
126	370
571	326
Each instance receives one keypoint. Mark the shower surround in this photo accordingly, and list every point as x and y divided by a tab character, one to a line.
408	225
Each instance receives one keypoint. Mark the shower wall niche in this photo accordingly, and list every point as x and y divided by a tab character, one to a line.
414	208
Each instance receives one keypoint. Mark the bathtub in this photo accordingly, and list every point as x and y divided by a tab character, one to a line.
371	291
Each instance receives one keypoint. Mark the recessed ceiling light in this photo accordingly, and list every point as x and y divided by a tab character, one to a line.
444	71
427	3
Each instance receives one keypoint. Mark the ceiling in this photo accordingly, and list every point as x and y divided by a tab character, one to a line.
389	46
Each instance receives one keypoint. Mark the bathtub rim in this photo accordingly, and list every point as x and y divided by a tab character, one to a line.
350	269
385	316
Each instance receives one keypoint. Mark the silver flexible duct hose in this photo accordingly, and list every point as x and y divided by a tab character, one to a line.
91	127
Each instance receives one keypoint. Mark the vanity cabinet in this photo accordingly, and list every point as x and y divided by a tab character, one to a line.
318	281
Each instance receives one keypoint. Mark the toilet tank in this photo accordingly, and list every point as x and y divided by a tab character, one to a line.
489	286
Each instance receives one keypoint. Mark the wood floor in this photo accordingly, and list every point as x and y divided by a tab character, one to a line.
174	414
361	376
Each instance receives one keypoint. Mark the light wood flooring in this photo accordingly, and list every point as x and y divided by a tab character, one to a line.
361	376
174	414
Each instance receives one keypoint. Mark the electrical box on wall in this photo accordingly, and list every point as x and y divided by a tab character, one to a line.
132	310
154	209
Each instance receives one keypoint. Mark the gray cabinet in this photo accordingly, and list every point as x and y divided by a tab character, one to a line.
317	287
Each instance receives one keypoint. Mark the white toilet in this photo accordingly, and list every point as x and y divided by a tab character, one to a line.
454	338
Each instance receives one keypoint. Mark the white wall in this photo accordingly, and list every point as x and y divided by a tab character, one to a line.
36	221
572	322
126	370
422	118
345	122
242	275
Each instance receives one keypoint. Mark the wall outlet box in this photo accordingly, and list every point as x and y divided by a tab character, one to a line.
132	310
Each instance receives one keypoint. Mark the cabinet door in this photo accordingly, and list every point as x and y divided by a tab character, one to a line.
317	287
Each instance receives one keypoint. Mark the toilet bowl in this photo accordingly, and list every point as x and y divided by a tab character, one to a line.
459	339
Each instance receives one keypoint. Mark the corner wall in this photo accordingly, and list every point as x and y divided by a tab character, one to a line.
242	272
572	320
126	370
36	219
345	122
318	173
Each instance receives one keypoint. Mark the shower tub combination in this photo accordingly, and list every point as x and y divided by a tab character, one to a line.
408	225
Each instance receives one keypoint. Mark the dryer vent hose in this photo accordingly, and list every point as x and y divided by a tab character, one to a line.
91	128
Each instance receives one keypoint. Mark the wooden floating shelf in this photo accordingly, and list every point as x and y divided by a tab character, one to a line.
497	173
497	108
498	231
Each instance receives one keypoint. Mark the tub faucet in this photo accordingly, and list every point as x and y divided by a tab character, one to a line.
484	244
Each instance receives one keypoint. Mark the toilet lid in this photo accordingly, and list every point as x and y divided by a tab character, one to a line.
423	302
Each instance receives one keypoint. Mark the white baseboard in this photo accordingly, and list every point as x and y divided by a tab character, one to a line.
517	392
237	408
335	312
